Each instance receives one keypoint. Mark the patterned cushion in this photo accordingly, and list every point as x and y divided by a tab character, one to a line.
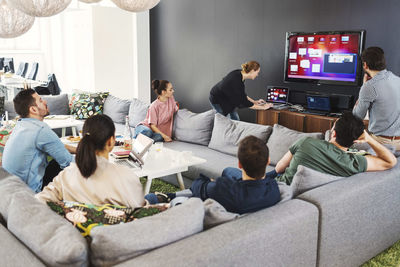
86	216
84	105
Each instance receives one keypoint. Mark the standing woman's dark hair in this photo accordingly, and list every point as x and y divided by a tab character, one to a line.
96	131
159	85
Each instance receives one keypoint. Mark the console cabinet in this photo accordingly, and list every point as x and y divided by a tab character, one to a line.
295	120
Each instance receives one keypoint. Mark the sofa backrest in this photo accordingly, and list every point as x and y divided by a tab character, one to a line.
58	105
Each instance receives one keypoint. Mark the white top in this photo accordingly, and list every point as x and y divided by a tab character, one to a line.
110	184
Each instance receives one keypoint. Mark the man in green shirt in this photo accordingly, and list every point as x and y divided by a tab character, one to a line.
332	157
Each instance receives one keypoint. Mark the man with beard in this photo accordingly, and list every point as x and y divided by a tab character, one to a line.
32	142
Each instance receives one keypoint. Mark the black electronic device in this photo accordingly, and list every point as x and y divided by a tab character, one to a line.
277	95
1	63
9	65
319	103
341	102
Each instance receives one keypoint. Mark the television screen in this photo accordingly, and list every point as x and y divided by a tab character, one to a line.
324	57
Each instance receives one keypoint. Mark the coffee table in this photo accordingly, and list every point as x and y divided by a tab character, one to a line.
63	122
160	162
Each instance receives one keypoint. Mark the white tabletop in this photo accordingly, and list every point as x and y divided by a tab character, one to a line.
62	121
18	82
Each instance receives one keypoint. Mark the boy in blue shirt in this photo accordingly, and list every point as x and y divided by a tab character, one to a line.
240	191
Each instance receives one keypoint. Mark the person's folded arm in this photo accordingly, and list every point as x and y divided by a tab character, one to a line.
156	130
48	142
284	162
383	160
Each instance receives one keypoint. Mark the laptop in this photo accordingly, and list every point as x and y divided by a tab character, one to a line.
318	104
279	96
140	147
135	157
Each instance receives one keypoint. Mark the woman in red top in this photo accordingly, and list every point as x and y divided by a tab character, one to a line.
159	118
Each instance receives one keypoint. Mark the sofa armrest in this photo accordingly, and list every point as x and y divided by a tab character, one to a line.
359	217
14	253
282	235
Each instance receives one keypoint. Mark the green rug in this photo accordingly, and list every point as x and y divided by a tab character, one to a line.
388	258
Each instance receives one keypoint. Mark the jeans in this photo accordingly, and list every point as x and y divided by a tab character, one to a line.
142	129
233	115
236	173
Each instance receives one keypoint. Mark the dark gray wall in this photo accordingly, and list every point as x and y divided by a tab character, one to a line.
194	43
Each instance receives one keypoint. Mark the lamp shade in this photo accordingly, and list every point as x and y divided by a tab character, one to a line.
40	8
136	5
13	22
90	1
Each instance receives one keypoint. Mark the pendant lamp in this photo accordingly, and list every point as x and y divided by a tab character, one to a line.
136	5
13	22
90	1
40	8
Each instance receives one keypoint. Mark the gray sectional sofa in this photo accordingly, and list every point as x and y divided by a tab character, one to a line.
331	221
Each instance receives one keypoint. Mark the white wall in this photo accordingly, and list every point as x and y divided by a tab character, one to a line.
91	48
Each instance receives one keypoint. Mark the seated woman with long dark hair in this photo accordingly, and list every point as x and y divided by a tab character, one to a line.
93	179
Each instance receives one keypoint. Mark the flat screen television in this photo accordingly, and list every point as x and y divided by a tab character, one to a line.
324	57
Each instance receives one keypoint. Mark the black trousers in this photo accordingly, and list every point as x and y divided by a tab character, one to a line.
52	171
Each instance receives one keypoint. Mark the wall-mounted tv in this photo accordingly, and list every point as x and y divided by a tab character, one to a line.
324	57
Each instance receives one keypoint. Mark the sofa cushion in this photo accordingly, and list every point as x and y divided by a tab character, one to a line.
58	104
84	105
117	109
215	214
9	186
9	107
116	243
306	179
137	112
14	253
193	127
227	133
282	138
216	161
53	239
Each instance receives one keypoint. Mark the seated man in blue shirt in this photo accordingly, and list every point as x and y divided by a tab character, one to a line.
248	190
32	141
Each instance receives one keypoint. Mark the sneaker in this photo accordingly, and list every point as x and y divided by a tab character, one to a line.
162	198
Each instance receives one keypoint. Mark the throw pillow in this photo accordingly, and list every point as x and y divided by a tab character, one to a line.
286	191
84	105
192	127
116	243
48	235
86	216
9	107
282	138
117	109
306	179
215	214
58	104
137	112
227	133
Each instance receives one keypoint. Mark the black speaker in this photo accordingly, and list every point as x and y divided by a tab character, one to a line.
297	97
340	102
